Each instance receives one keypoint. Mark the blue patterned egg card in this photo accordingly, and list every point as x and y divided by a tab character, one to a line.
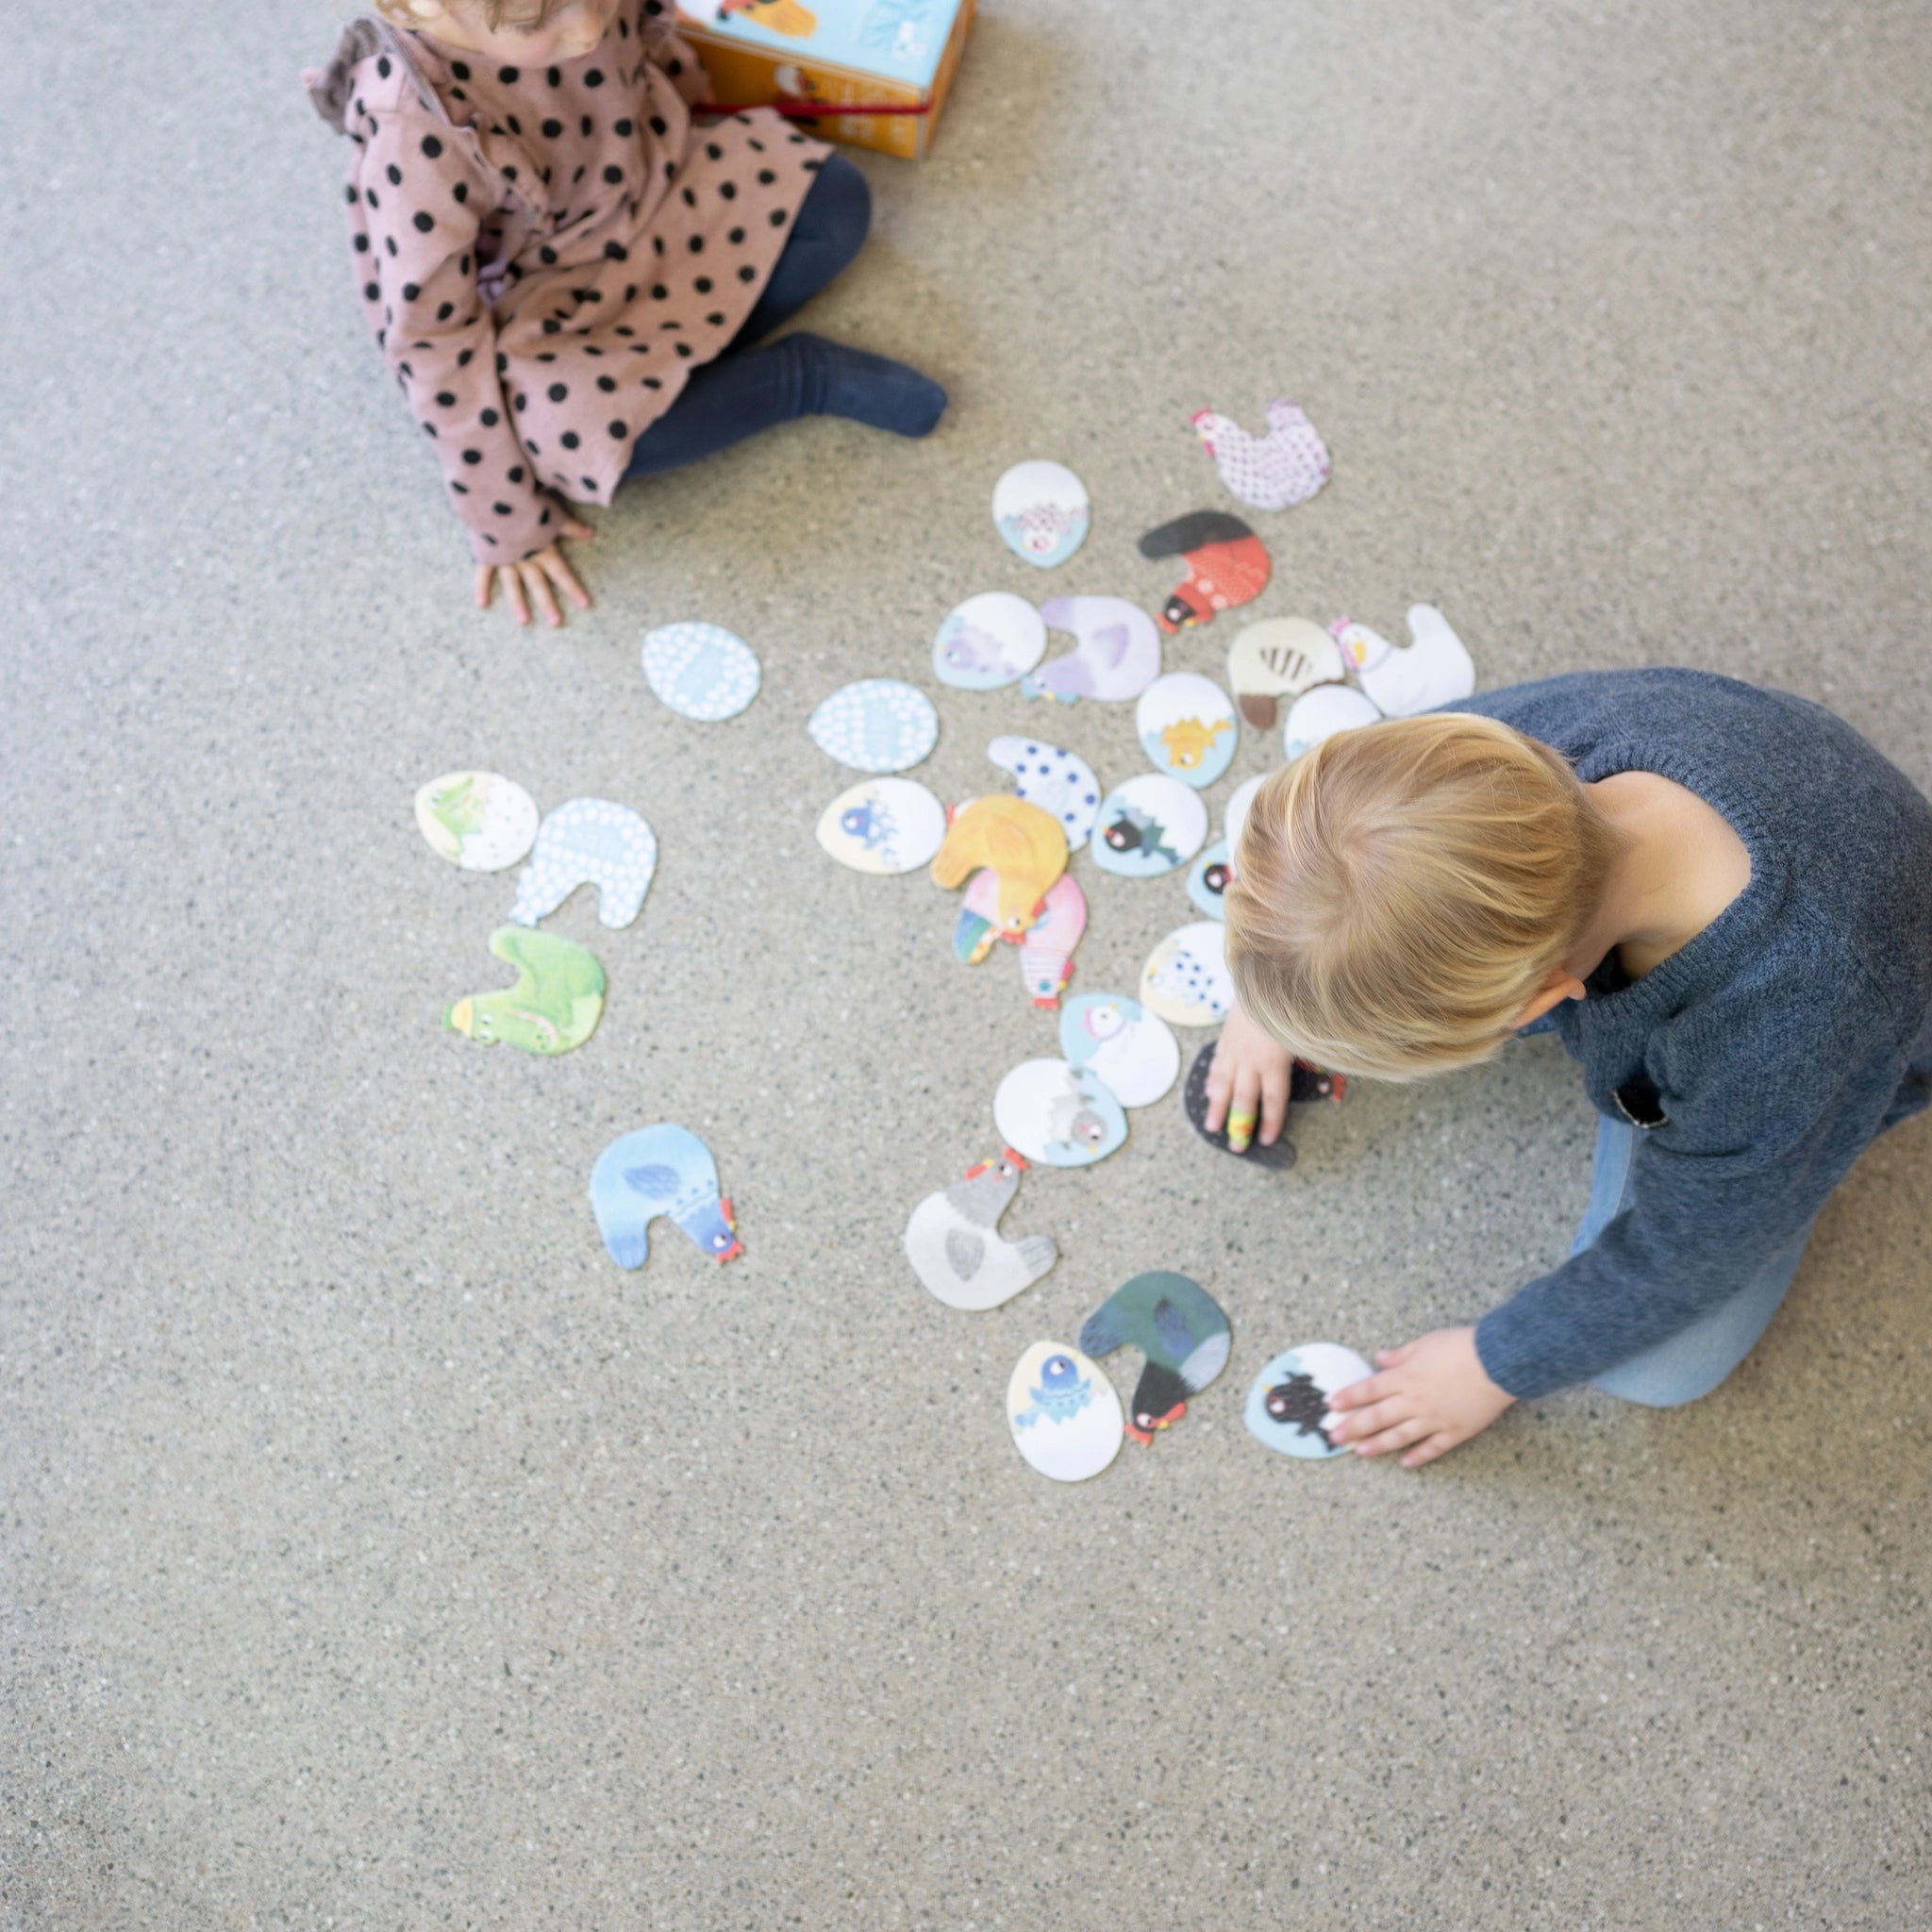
701	671
877	724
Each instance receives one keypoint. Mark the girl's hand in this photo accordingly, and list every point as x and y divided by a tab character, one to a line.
1430	1395
529	582
1250	1076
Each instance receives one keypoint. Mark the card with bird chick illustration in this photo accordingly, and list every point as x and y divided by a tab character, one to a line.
1064	1414
1288	1407
1186	725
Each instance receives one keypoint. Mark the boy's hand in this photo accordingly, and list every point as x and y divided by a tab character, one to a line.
1250	1076
1430	1395
529	582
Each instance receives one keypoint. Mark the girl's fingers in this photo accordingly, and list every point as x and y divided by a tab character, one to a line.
575	526
486	582
513	590
541	596
1244	1097
565	578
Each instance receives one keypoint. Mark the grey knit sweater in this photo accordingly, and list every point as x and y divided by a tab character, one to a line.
1762	1057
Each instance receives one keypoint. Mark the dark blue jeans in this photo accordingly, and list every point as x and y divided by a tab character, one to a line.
749	388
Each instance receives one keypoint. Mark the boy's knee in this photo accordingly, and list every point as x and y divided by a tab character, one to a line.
1653	1388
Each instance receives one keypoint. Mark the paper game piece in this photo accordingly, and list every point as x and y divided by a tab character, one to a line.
1022	846
883	825
953	1243
1047	1110
1434	670
989	640
1147	826
1056	780
1115	658
1129	1048
700	671
1207	880
476	819
1186	979
1187	727
655	1171
1181	1333
589	842
1228	565
1273	472
555	1005
1280	1155
876	725
1234	821
1288	1407
1279	658
1320	714
1046	943
1041	511
1064	1413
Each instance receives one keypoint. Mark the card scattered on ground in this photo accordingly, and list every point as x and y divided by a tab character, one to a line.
553	1007
1147	826
701	671
660	1169
989	640
1064	1413
1279	658
1046	943
883	825
1129	1048
1187	727
953	1243
1115	658
1021	845
1279	1154
1228	565
479	821
1180	1331
876	725
1434	670
1207	880
1186	979
1288	1407
1273	472
1053	1112
1041	511
1320	714
1059	781
589	842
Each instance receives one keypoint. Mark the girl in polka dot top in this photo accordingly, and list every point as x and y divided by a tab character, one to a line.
571	279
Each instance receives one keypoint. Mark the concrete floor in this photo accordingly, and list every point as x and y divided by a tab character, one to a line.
374	1552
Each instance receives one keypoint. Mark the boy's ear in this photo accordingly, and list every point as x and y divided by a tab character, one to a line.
1562	984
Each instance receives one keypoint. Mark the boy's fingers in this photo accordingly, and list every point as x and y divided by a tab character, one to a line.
1399	1436
1360	1423
1241	1104
1438	1444
1274	1104
1394	1357
1370	1388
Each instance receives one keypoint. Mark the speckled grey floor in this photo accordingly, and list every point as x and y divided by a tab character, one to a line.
374	1552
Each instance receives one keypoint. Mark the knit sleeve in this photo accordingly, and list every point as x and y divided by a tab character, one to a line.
420	199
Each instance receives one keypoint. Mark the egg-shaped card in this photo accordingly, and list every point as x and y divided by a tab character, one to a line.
1065	1415
1042	511
476	819
1049	1111
1320	714
700	671
1207	880
1186	979
1277	1154
589	842
1288	1407
1130	1049
1116	654
1279	658
1059	781
989	640
553	1007
877	724
1187	727
662	1170
883	825
1149	826
1235	818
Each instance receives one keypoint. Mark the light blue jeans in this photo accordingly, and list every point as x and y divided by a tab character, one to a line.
1694	1360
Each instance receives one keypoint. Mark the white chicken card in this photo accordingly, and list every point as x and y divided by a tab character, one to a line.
1065	1415
954	1246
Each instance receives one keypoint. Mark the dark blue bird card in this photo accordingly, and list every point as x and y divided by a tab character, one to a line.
1181	1333
662	1171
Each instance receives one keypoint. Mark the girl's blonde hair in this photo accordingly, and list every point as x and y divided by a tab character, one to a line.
1402	890
492	14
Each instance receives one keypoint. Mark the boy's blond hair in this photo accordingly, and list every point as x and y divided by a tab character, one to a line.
1402	890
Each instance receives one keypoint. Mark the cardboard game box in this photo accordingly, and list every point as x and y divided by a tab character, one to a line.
887	62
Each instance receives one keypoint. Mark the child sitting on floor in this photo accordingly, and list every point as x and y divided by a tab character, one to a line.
1721	898
567	276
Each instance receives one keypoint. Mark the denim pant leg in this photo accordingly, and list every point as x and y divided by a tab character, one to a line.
1694	1360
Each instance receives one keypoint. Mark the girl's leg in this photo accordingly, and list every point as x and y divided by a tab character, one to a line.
829	229
800	375
1693	1362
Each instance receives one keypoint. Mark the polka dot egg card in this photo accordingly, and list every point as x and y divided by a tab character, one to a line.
877	724
700	671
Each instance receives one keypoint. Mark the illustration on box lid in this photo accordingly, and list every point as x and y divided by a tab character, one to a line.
898	40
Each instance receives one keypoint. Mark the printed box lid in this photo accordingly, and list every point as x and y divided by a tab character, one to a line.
898	40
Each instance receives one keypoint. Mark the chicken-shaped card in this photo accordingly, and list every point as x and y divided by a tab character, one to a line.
1187	727
1115	658
1279	658
553	1007
589	842
1288	1407
989	640
1041	511
953	1243
1058	1115
1180	1330
654	1171
1022	846
1435	670
1228	565
479	821
1130	1049
1060	782
1063	1413
1273	472
1046	945
1148	825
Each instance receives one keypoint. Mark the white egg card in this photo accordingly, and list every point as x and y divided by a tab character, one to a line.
589	842
1320	713
883	825
1059	781
700	671
665	1171
1149	826
1064	1414
1187	727
1207	880
1235	819
1186	979
1132	1049
876	725
954	1246
1288	1407
1041	511
1279	658
479	821
989	640
1053	1112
